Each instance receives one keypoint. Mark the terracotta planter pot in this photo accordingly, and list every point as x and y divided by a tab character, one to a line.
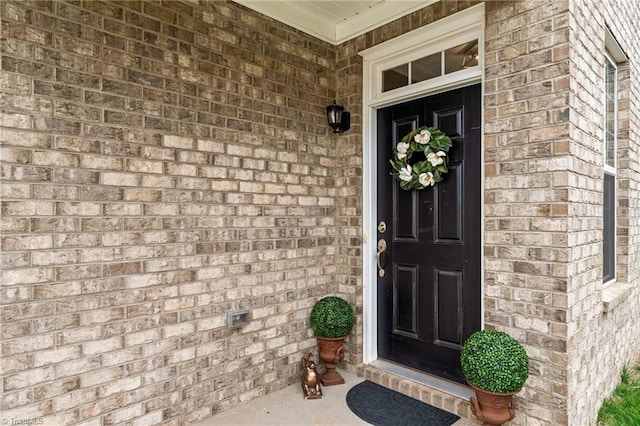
492	408
331	352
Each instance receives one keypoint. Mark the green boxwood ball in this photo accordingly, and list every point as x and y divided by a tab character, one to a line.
494	361
332	317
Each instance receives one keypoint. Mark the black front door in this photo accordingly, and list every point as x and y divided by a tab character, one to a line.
429	297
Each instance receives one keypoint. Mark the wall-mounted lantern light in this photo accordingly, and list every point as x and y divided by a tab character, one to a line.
339	119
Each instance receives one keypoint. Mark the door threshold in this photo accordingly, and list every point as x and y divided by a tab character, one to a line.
452	388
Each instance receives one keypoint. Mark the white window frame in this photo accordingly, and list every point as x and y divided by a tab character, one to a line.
614	55
607	169
439	36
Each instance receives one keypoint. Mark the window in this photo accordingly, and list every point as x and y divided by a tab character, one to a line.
612	58
444	54
609	199
463	56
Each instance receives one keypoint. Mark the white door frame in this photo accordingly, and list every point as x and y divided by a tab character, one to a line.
438	36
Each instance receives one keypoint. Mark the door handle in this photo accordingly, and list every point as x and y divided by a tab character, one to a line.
382	247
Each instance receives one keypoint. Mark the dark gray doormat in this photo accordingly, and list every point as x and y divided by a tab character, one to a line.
380	406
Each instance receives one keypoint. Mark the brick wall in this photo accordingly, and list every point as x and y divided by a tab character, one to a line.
527	163
166	162
601	343
163	163
543	201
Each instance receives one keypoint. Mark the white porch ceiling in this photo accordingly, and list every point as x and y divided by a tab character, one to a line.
335	21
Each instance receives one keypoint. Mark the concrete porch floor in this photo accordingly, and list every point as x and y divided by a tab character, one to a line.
287	407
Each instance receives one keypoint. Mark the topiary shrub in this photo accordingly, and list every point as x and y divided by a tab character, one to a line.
494	361
332	317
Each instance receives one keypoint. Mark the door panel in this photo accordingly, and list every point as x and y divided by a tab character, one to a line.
405	215
404	300
448	292
448	209
429	302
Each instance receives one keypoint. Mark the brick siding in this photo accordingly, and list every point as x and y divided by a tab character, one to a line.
163	163
544	153
600	344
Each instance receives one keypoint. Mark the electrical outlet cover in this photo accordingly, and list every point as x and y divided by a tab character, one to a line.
237	319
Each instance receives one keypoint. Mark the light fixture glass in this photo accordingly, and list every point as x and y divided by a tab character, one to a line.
339	120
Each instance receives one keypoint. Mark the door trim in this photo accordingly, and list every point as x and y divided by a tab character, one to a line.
372	101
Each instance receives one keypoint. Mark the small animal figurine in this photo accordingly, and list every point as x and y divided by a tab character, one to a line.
310	378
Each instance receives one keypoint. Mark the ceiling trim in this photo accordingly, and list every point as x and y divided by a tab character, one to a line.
305	20
375	17
295	18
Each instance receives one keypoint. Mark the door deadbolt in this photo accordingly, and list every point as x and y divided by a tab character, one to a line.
382	227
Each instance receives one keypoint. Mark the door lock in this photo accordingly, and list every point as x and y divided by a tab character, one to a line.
382	247
382	227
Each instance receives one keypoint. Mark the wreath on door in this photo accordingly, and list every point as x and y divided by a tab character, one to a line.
420	159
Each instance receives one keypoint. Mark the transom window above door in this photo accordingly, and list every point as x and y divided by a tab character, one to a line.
454	59
445	54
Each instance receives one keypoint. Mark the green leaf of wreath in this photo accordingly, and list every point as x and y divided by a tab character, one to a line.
430	163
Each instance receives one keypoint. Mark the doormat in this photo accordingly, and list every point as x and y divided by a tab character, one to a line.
380	406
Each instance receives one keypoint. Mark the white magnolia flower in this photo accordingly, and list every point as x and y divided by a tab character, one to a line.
405	173
426	179
402	149
423	137
436	159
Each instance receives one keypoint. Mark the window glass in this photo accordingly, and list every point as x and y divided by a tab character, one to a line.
426	68
610	116
455	59
609	219
395	77
609	188
461	57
